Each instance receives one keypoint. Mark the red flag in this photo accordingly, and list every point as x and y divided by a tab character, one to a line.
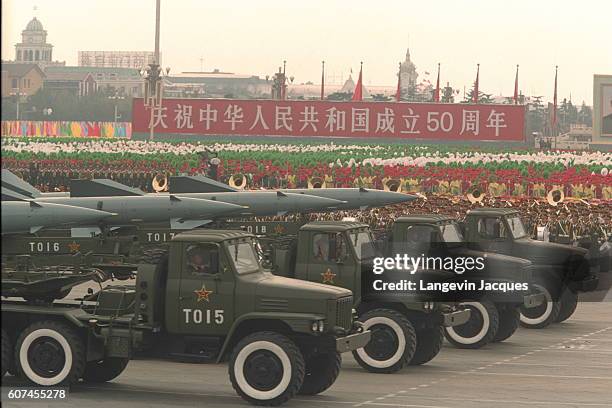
322	80
554	120
516	95
358	94
398	93
475	94
437	91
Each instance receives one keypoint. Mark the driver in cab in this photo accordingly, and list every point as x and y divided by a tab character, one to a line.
201	260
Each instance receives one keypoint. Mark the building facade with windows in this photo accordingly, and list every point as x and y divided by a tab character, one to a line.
34	47
21	79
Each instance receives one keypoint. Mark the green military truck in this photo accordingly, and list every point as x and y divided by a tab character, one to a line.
207	299
403	332
560	271
494	315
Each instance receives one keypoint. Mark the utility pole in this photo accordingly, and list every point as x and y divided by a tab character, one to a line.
153	79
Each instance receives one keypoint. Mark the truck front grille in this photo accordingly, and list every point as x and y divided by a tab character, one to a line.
344	312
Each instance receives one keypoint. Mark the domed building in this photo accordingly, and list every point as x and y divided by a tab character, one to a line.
34	48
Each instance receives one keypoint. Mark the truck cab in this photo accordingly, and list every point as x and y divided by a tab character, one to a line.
495	315
561	271
332	253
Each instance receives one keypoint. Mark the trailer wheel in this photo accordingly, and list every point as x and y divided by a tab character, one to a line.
7	352
392	344
543	315
479	330
509	319
322	370
50	353
569	303
266	368
428	345
104	370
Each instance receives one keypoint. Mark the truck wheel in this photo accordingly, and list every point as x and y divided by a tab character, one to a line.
479	330
569	303
428	345
321	372
543	315
266	368
7	352
509	319
392	344
50	353
104	370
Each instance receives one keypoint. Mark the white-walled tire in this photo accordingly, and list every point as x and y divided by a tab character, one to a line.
393	341
7	352
543	315
50	353
266	368
479	330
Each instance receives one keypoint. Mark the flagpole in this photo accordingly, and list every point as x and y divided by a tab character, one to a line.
554	124
322	80
437	95
476	91
516	85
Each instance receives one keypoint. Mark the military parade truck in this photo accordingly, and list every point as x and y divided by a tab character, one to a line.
494	315
403	332
207	299
560	271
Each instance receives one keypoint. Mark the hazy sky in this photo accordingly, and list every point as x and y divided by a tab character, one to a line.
255	36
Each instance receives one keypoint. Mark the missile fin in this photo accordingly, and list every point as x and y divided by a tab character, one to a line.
16	184
180	223
197	184
280	194
34	204
101	188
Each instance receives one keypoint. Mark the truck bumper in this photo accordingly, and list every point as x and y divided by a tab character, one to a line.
587	285
533	300
455	318
352	341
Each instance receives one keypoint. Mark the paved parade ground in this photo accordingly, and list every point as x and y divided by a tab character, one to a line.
565	365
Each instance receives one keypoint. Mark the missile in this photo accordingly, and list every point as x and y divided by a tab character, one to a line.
181	212
353	198
30	216
357	198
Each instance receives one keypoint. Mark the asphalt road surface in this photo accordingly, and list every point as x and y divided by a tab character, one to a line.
565	365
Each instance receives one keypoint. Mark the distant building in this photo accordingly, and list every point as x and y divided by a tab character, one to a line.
215	84
123	81
77	83
408	73
116	59
34	48
21	79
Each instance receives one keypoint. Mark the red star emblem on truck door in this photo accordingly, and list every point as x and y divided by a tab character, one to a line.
74	247
328	276
203	294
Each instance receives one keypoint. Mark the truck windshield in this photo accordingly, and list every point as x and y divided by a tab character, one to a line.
244	258
451	233
517	227
362	241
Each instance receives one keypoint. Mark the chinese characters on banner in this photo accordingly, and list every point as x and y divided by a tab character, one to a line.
333	119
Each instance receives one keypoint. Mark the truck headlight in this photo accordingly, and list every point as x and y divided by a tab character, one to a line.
318	326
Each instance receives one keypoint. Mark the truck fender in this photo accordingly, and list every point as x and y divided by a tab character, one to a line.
288	322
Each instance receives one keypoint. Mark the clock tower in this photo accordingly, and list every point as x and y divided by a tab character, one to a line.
33	47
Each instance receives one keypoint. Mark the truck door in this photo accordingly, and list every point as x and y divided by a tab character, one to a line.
206	291
330	260
493	235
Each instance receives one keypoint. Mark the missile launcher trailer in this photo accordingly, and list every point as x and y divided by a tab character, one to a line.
207	299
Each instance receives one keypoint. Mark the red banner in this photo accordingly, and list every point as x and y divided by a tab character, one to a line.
333	119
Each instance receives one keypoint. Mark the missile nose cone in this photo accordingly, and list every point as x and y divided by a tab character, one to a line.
391	197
